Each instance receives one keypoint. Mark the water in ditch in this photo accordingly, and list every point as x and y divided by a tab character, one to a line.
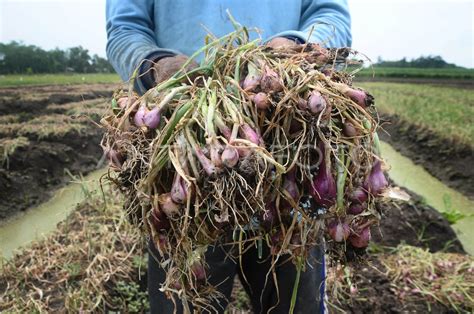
39	221
435	193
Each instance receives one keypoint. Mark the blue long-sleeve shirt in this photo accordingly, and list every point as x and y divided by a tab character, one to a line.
143	29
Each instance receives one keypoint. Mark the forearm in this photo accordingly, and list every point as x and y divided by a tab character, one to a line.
131	38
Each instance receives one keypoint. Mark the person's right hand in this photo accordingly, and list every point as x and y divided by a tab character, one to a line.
168	66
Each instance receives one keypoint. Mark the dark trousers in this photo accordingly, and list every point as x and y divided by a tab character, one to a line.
264	294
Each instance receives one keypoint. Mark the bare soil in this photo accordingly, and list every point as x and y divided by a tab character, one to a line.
446	160
35	170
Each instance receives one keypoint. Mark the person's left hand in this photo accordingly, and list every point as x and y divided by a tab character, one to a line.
281	42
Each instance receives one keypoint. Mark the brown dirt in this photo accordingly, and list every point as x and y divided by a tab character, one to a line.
449	162
417	224
34	170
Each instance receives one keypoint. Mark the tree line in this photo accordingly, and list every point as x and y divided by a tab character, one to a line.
421	62
18	58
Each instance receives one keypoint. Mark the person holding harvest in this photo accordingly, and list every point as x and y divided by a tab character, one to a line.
155	37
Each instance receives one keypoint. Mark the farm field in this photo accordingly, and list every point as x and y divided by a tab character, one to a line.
46	133
447	112
45	130
57	79
434	73
434	126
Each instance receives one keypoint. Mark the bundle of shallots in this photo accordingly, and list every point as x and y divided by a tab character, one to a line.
266	147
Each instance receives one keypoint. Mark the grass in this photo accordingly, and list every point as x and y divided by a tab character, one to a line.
94	108
61	120
53	125
433	277
88	264
448	112
415	276
57	79
427	73
8	146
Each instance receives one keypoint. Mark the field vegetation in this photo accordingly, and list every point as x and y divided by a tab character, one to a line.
61	120
449	112
425	73
12	80
8	146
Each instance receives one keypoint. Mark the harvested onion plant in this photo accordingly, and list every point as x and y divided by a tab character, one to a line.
257	146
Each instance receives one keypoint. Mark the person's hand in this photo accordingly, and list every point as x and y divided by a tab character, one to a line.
168	66
281	42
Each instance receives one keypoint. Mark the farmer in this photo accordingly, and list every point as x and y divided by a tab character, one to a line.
155	37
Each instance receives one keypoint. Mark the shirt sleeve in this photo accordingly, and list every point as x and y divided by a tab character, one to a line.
130	37
327	22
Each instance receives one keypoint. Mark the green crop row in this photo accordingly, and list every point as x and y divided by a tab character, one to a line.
56	79
447	111
433	73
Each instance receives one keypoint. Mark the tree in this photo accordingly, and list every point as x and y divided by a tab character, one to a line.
421	62
24	59
79	59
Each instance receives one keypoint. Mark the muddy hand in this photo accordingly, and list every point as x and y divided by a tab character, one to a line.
281	42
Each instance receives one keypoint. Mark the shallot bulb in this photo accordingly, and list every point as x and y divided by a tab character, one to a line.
167	205
206	164
361	239
198	271
179	190
152	118
360	97
349	129
139	117
270	215
359	195
323	188
355	209
252	80
122	102
215	149
316	102
339	231
250	134
223	128
270	81
290	186
261	101
114	157
302	104
230	156
376	181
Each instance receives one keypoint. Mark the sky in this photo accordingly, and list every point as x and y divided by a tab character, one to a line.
391	29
